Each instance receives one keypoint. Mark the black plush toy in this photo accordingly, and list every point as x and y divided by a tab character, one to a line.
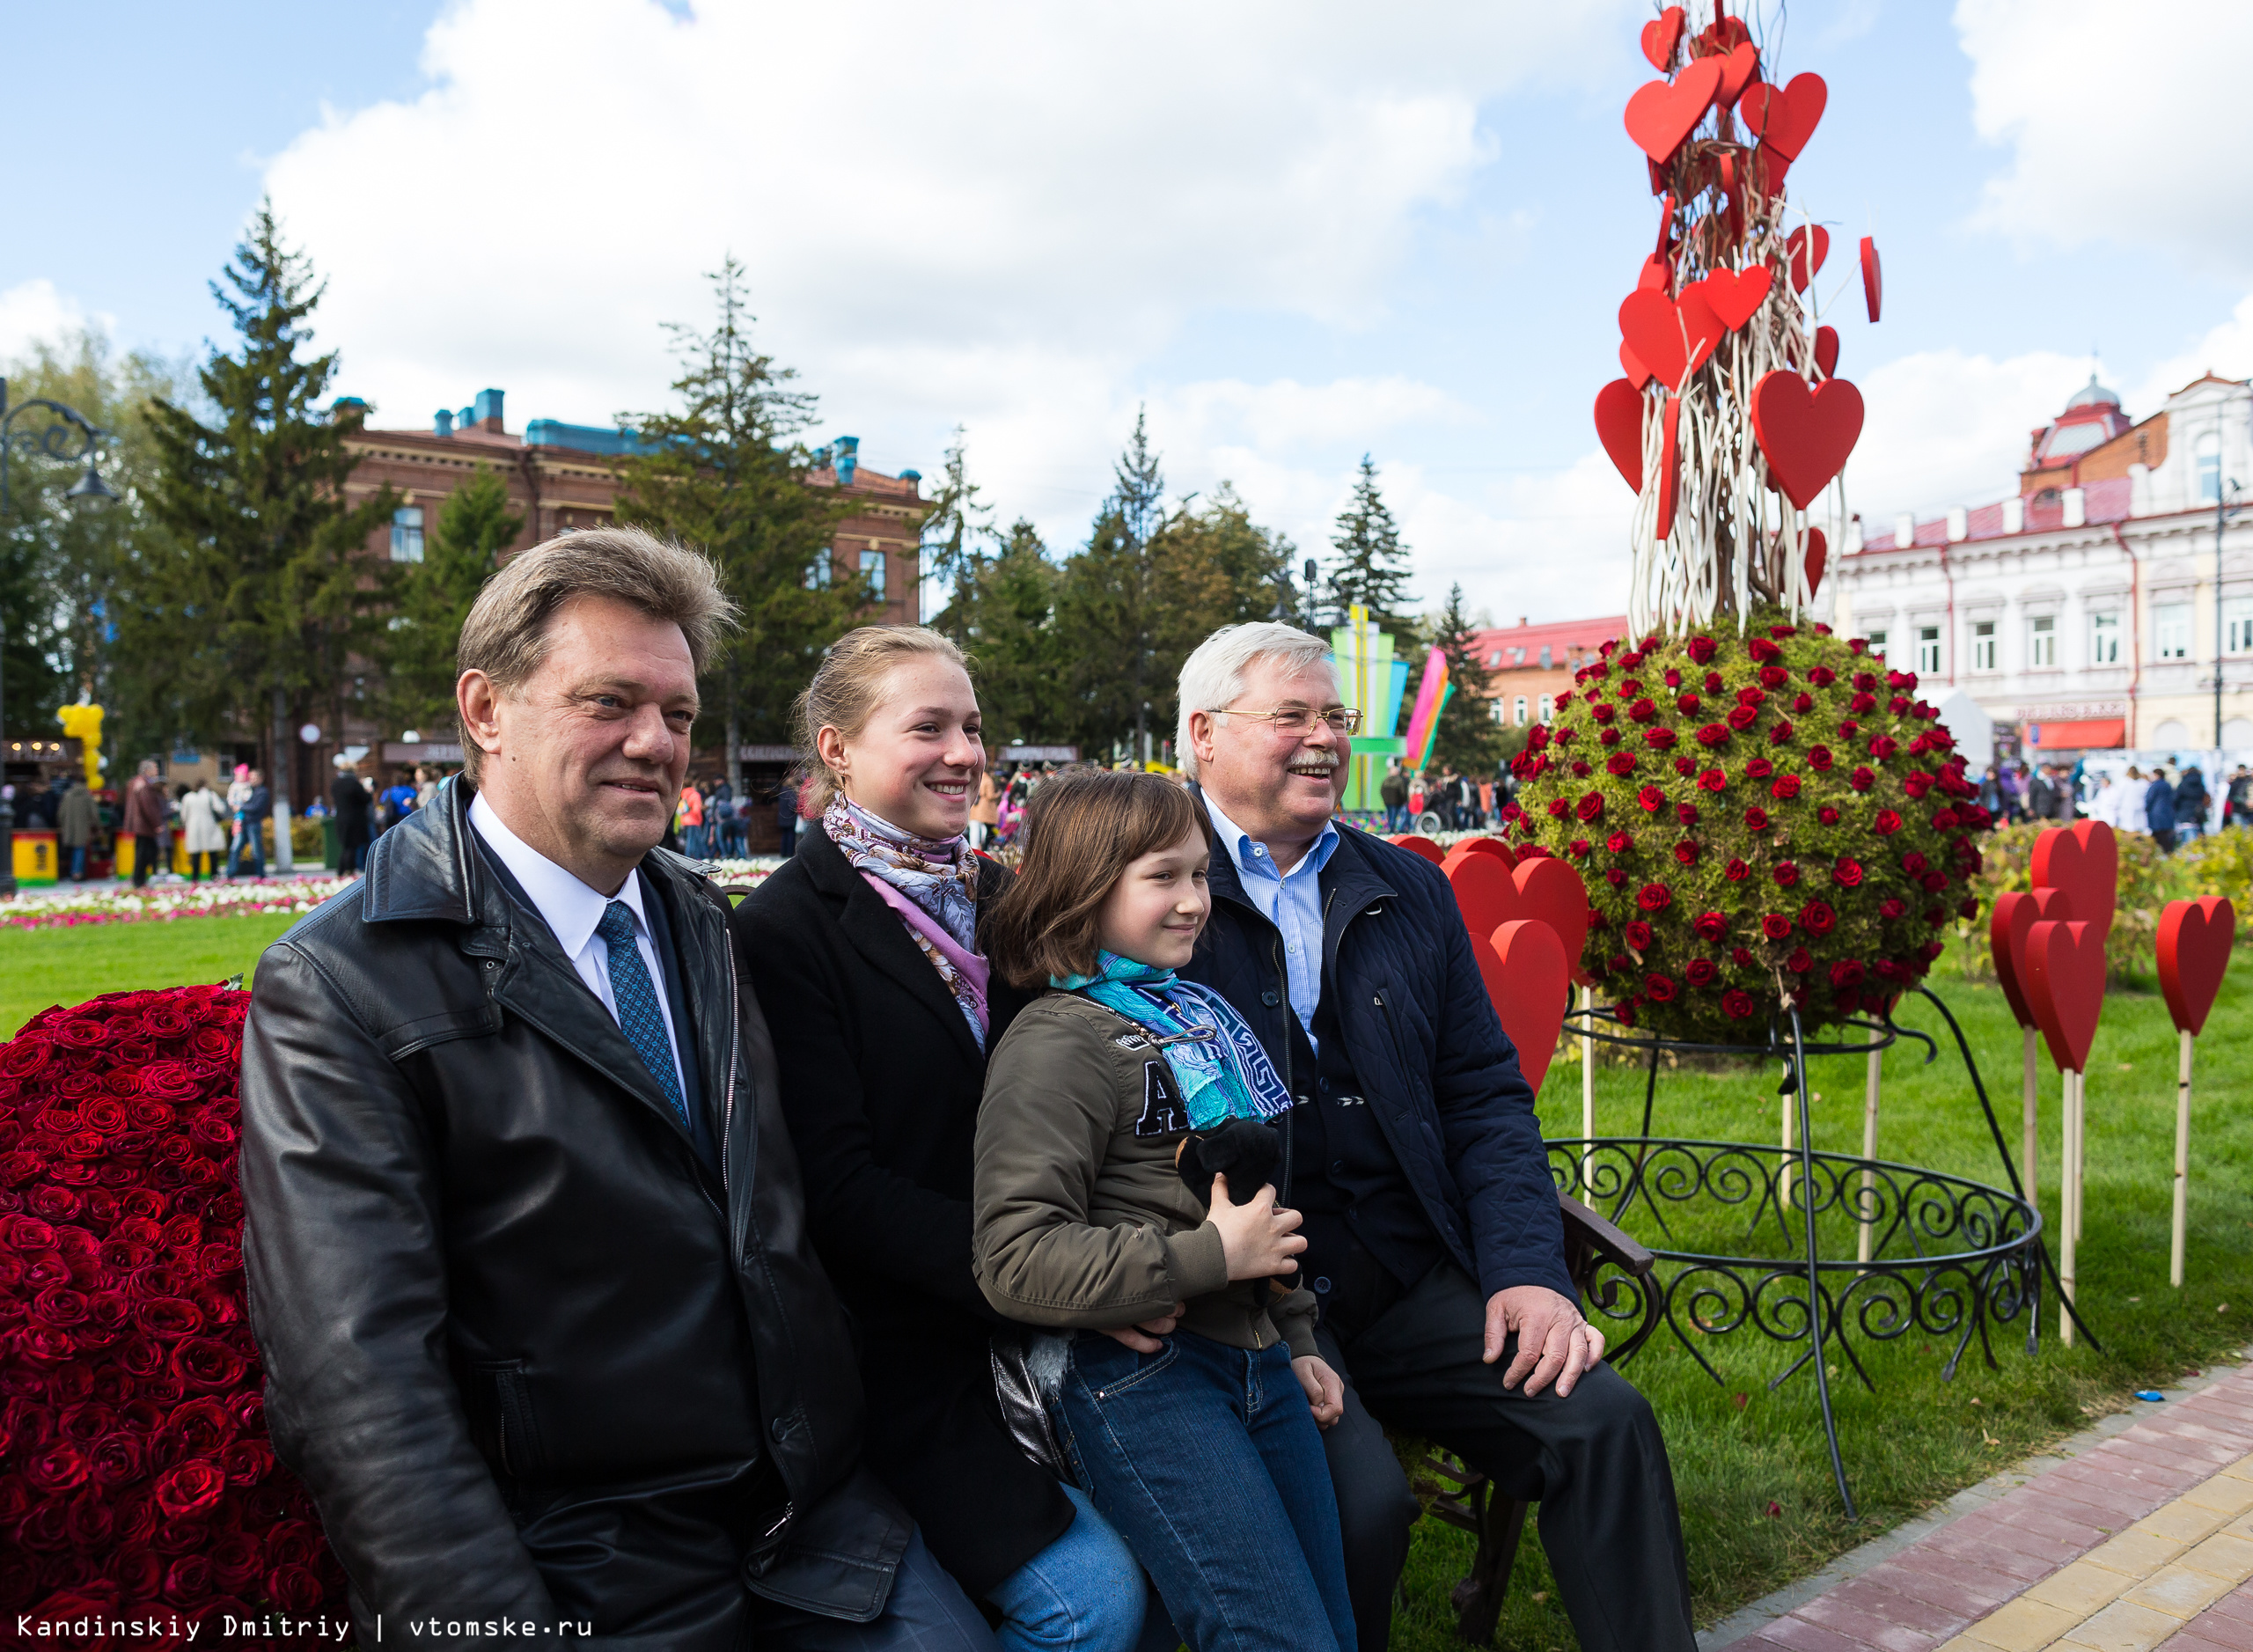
1242	1149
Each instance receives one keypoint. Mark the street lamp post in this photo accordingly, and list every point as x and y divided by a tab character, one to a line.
71	438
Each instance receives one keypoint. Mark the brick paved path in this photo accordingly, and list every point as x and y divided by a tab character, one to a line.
2142	1541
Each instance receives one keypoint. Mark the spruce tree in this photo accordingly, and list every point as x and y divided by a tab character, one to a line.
265	595
722	472
474	525
1017	654
956	520
1110	602
1370	566
1469	737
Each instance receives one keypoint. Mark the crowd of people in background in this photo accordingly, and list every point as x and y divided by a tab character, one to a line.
2171	802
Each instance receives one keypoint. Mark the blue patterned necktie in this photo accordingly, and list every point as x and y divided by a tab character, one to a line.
639	1018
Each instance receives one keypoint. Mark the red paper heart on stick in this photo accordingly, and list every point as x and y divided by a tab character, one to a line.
1783	118
2012	915
1663	113
1483	891
1638	375
1532	988
2063	980
1803	254
1654	276
1619	427
1665	227
1661	36
1735	294
1415	843
1552	891
1818	554
1769	169
1739	70
2084	861
1485	848
1872	277
1669	465
1826	351
1671	337
1805	436
2194	941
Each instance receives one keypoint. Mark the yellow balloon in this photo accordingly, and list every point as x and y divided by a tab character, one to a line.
84	724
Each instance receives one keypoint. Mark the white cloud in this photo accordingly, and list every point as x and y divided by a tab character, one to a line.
1946	429
2227	349
33	312
2121	122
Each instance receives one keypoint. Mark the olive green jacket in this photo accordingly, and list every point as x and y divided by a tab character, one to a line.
1080	1219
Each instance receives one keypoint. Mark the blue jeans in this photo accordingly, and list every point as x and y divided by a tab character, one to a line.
1208	1461
1083	1593
1395	817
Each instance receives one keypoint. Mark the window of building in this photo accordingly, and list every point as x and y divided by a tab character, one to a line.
1982	645
1517	657
1517	711
2042	642
1493	659
1544	663
1545	708
1877	645
407	534
2238	625
818	576
1495	707
873	570
2170	630
1928	650
2210	467
2104	639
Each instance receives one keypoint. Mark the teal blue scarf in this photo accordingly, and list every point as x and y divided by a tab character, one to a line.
1217	1062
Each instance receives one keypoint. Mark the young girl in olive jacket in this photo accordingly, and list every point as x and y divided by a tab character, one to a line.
1202	1447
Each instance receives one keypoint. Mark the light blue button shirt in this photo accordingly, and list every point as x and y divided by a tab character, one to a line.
1292	901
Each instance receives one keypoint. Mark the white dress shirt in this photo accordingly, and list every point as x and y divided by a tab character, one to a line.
572	910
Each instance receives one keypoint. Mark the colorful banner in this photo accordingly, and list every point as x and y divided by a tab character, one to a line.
1373	683
1424	721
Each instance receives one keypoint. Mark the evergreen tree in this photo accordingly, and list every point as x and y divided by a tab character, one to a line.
265	594
1371	564
1216	567
474	525
1109	604
1017	653
1469	737
723	473
958	519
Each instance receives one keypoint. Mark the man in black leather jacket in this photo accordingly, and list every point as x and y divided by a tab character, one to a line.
528	1266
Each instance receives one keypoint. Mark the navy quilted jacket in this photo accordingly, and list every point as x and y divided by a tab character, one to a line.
1439	1071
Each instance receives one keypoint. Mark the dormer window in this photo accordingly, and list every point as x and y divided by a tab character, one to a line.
2209	458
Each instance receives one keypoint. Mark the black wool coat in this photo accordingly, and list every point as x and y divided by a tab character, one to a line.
881	1081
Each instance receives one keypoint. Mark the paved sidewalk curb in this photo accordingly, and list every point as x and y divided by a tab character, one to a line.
1748	1620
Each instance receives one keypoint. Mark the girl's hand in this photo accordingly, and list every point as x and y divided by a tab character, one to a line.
1144	1337
1255	1238
1325	1390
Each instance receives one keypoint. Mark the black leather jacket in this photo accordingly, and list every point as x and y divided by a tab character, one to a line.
532	1358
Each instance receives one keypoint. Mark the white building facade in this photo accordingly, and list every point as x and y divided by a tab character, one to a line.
2092	610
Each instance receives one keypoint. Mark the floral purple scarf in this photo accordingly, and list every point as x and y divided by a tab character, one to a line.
938	878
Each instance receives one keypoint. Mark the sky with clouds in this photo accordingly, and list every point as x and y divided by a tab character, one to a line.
1293	233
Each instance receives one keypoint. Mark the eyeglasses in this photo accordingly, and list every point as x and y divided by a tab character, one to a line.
1296	721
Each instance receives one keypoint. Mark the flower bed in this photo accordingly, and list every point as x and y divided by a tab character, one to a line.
1760	820
167	903
136	1475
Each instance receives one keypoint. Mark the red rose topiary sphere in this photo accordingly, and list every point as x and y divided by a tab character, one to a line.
1758	819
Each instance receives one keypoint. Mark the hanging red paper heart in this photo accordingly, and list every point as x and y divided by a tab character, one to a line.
1818	553
1806	437
1769	169
1638	375
2012	915
1797	258
2064	978
1619	427
1735	294
2084	861
1495	846
1531	987
1551	890
1724	32
1872	277
1483	891
1669	337
2194	941
1669	465
1826	351
1663	113
1654	276
1661	36
1415	843
1783	118
1739	68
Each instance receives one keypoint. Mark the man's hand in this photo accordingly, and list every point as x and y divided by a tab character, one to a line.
1325	1390
1554	1342
1134	1336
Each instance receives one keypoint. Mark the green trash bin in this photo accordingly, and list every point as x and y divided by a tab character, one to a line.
332	845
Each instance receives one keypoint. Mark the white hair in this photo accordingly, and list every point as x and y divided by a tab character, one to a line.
1212	676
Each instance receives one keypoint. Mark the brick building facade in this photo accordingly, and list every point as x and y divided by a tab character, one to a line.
1529	665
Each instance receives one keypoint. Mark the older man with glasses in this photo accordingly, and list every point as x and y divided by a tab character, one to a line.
1435	1246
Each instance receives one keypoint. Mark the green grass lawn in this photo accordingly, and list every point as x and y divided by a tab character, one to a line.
1739	1448
38	968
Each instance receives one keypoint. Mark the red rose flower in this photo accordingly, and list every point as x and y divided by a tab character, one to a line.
1883	747
1580	771
1817	919
1740	718
1944	820
1757	817
1619	763
1699	972
1759	768
1847	873
1818	757
1736	1003
1827	815
1740	957
1933	882
1607	737
1703	648
1773	677
1784	789
1603	713
1710	926
1970	906
1615	875
1624	1013
1637	933
1712	734
1892	908
1786	873
1642	711
1619	843
1658	739
1653	896
1916	782
1886	823
1780	735
190	1488
1687	704
1713	780
1651	798
1800	961
1762	651
1578	849
1687	853
1659	989
1802	704
1559	808
1862	779
1685	765
1847	973
1849	727
1736	871
1713	684
1775	926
